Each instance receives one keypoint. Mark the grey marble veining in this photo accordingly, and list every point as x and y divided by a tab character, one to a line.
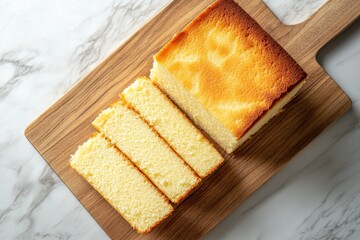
291	12
337	215
20	66
47	46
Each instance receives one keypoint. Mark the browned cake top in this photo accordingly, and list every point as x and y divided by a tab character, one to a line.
230	65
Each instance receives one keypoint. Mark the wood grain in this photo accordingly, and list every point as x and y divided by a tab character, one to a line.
67	124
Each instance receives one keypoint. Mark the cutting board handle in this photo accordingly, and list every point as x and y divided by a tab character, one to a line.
329	21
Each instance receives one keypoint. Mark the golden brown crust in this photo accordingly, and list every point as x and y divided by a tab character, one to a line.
93	135
155	224
230	65
189	192
216	167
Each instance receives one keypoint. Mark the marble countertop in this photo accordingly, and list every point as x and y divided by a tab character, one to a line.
47	46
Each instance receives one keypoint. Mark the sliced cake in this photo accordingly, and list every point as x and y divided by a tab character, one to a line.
121	184
227	73
158	110
147	150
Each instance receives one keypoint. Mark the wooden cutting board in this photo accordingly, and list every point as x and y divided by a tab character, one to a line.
67	124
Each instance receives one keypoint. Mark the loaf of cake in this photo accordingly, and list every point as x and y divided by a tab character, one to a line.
162	114
147	150
121	184
227	73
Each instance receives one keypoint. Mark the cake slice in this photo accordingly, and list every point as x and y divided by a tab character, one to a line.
147	150
121	184
161	114
227	73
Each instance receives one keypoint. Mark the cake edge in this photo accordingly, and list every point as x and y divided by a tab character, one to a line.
297	72
148	230
125	104
174	105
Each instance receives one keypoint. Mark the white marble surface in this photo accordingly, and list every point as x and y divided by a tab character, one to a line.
47	46
291	12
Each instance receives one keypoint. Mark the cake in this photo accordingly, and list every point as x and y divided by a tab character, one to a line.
147	150
227	74
173	126
121	184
